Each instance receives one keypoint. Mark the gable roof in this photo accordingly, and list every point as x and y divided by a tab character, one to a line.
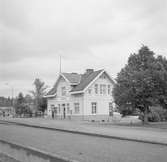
51	92
85	80
73	78
79	81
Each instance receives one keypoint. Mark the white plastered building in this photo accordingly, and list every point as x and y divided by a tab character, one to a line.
85	96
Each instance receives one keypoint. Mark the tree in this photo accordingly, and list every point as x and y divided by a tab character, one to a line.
38	93
161	77
22	105
141	83
19	105
28	99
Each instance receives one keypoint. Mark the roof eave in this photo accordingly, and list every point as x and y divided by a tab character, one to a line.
49	96
93	80
74	83
76	92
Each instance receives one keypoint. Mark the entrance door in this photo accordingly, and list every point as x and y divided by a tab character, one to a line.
64	111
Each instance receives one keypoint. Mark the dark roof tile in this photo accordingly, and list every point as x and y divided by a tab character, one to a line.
81	80
72	77
85	80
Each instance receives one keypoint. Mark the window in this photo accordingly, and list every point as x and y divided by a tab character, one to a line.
110	109
89	91
104	89
76	108
68	108
59	111
109	89
94	107
63	91
96	88
101	89
52	107
103	76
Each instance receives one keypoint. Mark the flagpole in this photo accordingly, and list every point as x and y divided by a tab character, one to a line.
60	64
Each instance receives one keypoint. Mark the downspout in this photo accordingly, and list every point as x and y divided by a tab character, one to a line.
83	107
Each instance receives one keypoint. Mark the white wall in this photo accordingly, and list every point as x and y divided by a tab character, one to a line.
78	98
70	99
85	99
102	100
50	101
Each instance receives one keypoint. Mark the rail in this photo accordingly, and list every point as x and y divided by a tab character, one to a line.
29	154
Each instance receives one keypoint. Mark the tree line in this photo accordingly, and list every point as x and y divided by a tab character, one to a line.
5	102
32	104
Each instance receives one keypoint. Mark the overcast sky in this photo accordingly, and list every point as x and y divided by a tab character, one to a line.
86	33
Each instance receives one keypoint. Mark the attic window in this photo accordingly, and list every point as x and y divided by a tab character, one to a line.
103	76
89	91
63	91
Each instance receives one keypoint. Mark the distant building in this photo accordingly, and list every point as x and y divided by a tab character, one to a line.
85	96
6	111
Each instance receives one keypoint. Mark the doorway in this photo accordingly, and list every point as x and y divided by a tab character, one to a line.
64	110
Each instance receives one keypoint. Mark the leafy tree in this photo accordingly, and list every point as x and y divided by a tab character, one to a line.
22	106
38	93
141	83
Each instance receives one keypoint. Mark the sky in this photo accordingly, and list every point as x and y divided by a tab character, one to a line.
98	34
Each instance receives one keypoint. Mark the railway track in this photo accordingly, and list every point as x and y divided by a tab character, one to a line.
23	153
81	132
41	144
28	154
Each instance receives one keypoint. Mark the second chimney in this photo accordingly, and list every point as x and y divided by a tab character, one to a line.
88	71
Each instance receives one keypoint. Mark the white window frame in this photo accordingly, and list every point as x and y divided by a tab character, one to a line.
104	89
59	109
63	91
101	88
110	108
68	108
89	91
96	88
76	107
94	108
109	89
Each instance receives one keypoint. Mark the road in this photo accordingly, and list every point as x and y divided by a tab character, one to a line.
82	147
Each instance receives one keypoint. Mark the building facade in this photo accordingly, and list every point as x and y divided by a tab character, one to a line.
7	111
85	96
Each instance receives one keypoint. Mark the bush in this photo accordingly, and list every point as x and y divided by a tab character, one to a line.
156	114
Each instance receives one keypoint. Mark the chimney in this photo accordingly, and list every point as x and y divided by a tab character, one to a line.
88	71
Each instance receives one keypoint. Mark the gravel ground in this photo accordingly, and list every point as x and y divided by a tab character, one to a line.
136	133
5	158
84	148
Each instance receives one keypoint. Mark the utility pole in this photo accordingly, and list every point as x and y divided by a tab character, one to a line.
12	92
